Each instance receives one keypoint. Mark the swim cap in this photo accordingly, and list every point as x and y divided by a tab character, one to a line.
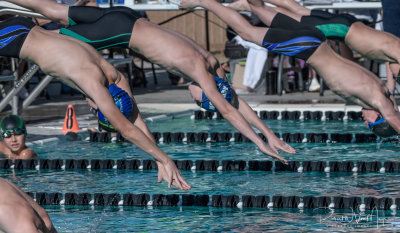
12	124
382	128
223	87
124	104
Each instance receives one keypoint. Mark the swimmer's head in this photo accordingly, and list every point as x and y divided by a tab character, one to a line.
12	124
377	124
124	104
223	87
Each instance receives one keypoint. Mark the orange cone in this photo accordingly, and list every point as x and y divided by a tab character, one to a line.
70	122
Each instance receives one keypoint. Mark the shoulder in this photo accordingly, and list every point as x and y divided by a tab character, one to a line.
27	153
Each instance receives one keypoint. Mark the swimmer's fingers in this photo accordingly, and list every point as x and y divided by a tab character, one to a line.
269	151
182	181
170	181
282	159
287	148
161	172
277	143
160	178
274	149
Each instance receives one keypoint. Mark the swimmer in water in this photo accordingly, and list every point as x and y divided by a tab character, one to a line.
13	132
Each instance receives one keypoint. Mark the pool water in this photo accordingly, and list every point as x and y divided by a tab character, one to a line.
208	219
220	151
185	124
178	219
235	150
203	182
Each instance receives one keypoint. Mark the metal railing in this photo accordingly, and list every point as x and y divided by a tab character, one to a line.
19	84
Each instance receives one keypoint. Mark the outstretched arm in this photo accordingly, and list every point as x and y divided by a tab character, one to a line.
234	117
101	96
384	105
391	85
48	8
273	141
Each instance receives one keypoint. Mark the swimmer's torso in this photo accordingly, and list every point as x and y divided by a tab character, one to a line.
62	57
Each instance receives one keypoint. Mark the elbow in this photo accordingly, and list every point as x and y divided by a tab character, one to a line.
226	109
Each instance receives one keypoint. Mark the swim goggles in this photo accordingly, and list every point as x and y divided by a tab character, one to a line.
8	133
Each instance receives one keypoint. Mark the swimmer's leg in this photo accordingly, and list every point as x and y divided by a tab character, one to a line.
266	13
291	6
51	9
230	17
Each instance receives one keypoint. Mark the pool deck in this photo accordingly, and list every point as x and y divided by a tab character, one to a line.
166	99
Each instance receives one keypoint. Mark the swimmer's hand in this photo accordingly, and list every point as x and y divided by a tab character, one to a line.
170	173
275	143
272	152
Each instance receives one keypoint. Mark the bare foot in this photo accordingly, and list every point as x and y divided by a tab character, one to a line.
188	4
239	5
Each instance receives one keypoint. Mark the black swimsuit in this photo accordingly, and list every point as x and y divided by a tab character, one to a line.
291	38
101	27
13	33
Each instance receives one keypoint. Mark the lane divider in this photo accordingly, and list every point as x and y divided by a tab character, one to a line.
226	201
289	115
207	165
204	137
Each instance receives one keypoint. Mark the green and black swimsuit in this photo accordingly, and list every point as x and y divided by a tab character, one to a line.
334	26
101	27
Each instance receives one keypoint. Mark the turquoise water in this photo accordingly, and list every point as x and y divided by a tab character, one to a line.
185	124
205	219
200	219
220	151
224	183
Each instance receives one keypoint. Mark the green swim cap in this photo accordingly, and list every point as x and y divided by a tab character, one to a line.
12	123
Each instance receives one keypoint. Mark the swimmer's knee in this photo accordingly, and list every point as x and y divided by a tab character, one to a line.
246	35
